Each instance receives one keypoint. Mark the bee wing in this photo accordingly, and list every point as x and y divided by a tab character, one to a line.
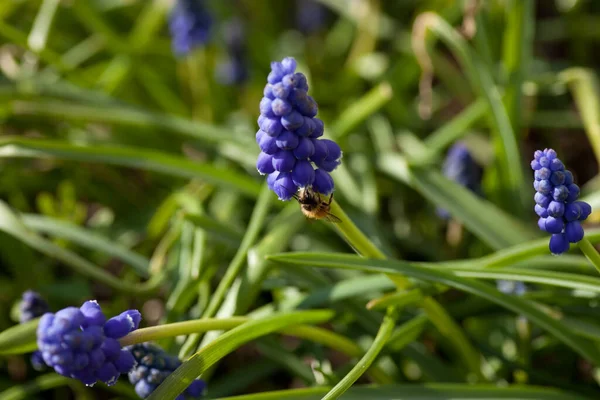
332	218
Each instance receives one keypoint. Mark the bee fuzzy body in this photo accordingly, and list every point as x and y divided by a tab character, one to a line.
314	207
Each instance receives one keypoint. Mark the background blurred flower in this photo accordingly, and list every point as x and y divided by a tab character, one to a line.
460	166
32	306
233	70
190	23
152	367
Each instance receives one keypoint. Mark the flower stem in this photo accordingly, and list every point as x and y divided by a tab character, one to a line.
590	252
385	331
435	312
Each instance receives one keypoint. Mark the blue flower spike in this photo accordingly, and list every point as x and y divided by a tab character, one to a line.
80	343
556	197
153	365
292	154
190	23
460	167
32	306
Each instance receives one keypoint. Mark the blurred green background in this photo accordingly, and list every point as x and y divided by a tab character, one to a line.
120	161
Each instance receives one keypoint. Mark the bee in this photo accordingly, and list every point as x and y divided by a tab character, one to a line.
314	207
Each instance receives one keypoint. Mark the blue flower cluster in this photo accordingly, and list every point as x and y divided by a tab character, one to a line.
511	287
33	306
190	23
80	343
152	368
556	201
310	16
234	70
460	166
289	136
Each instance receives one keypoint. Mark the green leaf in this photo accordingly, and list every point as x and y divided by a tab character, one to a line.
128	157
84	237
420	392
19	339
29	390
11	224
520	306
489	223
183	376
385	331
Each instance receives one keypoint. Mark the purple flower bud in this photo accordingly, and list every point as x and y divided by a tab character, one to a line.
573	193
280	91
284	161
544	162
572	212
287	141
281	107
266	108
542	173
334	152
93	313
284	186
288	65
560	193
542	200
318	130
558	178
268	144
144	389
264	164
585	208
574	231
305	149
270	126
108	373
196	388
328	166
535	165
559	243
122	324
292	121
538	154
321	151
268	91
125	362
307	127
541	211
303	174
545	187
554	225
556	165
568	178
556	209
550	154
323	182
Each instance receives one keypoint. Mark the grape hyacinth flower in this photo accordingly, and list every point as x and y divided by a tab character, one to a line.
189	23
460	166
310	16
511	287
80	343
234	70
33	306
556	201
292	153
153	365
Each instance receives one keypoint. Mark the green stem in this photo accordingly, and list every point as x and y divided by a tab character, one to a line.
590	252
436	313
318	335
385	331
237	264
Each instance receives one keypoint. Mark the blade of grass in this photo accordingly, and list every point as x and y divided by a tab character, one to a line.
181	378
39	384
86	238
554	326
16	147
432	391
385	331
